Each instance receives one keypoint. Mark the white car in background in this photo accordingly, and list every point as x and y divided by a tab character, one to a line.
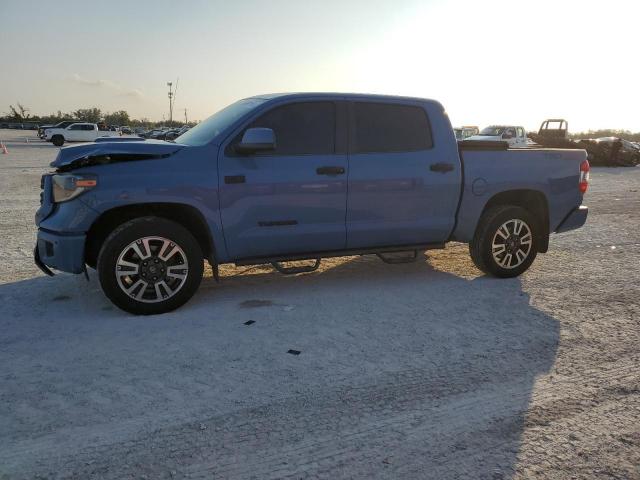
462	133
77	132
515	136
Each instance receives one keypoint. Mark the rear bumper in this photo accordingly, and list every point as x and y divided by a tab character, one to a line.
62	252
575	219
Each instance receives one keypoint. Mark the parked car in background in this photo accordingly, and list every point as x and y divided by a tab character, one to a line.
603	151
175	133
162	134
611	151
126	130
151	133
554	128
170	134
462	133
515	136
553	133
63	124
76	132
167	135
299	176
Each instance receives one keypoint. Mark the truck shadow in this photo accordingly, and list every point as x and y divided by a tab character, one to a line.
401	371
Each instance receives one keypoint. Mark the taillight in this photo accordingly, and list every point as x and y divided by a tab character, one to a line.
584	176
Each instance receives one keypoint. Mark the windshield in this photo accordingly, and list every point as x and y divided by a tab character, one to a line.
492	131
206	131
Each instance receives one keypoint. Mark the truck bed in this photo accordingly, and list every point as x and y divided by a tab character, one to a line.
492	167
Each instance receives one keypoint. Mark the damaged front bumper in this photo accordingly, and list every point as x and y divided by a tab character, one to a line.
62	252
43	268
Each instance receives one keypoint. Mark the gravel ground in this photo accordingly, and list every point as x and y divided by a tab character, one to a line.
424	370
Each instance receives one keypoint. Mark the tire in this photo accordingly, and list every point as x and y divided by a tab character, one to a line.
57	140
491	245
158	250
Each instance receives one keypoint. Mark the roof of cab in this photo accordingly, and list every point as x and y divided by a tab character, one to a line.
346	96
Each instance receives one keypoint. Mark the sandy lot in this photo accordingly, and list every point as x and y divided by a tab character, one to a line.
425	370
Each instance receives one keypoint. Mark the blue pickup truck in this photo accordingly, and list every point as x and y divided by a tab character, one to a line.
277	178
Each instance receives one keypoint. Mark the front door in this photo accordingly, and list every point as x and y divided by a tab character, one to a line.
75	133
293	199
403	187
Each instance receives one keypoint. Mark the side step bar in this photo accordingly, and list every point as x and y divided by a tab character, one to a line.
412	257
338	253
293	270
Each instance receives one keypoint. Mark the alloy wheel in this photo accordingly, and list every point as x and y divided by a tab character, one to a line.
152	269
512	243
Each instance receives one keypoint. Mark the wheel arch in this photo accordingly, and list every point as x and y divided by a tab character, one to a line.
186	215
534	201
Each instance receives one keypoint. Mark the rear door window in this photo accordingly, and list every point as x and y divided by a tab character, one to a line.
387	127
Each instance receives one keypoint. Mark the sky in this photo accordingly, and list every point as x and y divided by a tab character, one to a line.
487	62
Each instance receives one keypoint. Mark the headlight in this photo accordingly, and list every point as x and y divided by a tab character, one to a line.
68	186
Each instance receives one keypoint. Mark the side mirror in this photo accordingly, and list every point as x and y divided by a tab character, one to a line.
257	140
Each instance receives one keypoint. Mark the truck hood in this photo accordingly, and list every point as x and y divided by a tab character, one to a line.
104	152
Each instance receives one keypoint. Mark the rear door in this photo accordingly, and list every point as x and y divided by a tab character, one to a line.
291	200
90	132
403	184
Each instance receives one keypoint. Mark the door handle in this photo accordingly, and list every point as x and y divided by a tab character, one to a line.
234	179
441	167
330	170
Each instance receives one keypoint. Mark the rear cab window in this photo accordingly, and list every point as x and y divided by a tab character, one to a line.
390	127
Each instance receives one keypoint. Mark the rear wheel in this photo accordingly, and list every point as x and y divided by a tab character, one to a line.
150	265
505	244
57	140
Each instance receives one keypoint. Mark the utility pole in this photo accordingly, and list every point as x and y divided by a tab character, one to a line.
170	102
185	116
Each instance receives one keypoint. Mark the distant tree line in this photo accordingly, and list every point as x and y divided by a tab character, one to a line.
20	114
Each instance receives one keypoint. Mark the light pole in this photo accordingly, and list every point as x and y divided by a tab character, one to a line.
185	116
170	102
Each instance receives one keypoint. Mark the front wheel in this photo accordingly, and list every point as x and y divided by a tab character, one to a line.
505	244
150	265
